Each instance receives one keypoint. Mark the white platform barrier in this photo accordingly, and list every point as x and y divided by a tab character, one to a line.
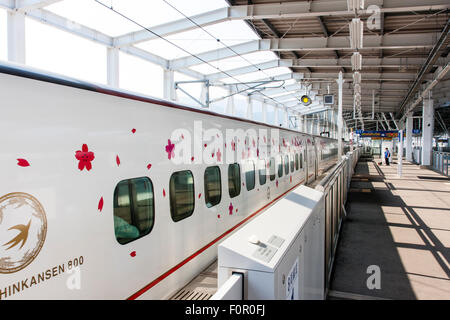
280	252
232	289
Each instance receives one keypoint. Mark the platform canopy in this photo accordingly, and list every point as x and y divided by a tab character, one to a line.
391	52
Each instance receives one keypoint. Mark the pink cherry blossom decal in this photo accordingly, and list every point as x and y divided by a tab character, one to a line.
100	204
23	163
85	158
149	166
133	130
170	149
117	160
192	159
133	254
218	216
164	192
230	208
219	155
199	195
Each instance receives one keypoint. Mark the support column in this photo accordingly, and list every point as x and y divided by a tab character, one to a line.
409	132
400	153
249	108
230	109
276	121
169	85
286	118
16	37
305	123
427	131
340	82
112	67
204	94
264	112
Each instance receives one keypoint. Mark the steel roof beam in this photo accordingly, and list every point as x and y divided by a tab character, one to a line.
252	68
392	41
28	5
319	8
316	8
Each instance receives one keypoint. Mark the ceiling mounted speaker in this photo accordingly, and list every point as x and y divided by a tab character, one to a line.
305	100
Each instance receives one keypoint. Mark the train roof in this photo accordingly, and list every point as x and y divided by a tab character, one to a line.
40	75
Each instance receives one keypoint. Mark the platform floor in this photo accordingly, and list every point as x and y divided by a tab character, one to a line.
204	286
401	225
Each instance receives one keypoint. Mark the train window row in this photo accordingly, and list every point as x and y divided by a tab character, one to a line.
134	209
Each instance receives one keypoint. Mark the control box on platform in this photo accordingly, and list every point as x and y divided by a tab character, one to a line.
281	251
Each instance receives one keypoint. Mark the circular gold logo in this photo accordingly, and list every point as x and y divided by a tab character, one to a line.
23	227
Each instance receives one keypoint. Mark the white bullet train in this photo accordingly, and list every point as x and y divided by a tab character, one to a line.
107	194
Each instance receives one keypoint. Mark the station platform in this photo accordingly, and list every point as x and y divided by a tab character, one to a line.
401	225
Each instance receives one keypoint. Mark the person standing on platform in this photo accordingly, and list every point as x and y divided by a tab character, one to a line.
387	155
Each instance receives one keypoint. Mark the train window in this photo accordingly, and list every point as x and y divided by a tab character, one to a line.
297	165
272	169
301	160
262	172
292	163
234	180
182	198
286	164
134	210
250	175
213	186
280	167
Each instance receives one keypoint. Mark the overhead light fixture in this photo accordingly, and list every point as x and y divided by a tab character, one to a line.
354	5
356	33
306	101
356	61
356	78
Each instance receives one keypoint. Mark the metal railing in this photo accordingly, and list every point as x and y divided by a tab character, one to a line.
441	162
335	188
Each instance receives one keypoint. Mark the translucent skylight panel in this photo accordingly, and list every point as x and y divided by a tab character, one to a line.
145	13
93	15
277	71
244	60
206	69
134	75
44	51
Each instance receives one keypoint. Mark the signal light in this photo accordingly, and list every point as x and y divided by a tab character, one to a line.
305	100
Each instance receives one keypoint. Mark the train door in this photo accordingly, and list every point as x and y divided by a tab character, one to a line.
311	161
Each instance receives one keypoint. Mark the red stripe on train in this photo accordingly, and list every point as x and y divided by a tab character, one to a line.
182	263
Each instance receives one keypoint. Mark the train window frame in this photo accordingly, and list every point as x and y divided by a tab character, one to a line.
261	167
252	172
210	204
292	163
272	169
178	218
132	208
239	182
280	167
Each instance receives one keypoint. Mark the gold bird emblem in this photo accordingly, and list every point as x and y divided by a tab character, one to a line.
22	236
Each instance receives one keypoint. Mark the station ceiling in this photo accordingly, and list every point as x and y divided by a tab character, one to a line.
303	43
